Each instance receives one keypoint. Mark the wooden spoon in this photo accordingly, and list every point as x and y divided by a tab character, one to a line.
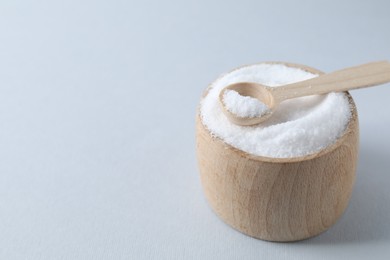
366	75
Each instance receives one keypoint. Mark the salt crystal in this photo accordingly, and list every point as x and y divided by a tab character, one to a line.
243	106
297	127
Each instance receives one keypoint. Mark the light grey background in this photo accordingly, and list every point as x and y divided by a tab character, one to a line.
97	105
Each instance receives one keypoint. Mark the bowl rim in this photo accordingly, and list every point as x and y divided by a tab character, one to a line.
352	124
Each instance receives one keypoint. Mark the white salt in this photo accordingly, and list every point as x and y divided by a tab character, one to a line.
243	106
297	127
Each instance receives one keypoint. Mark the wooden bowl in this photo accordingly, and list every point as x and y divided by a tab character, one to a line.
274	199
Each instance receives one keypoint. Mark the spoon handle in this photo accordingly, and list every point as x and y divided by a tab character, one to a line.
362	76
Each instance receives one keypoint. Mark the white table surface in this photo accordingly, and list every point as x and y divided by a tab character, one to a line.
97	104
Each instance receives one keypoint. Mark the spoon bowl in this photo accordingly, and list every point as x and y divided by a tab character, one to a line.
249	89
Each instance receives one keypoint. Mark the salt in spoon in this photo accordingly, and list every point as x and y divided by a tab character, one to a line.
366	75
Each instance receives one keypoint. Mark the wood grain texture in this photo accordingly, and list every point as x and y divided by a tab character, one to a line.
273	199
